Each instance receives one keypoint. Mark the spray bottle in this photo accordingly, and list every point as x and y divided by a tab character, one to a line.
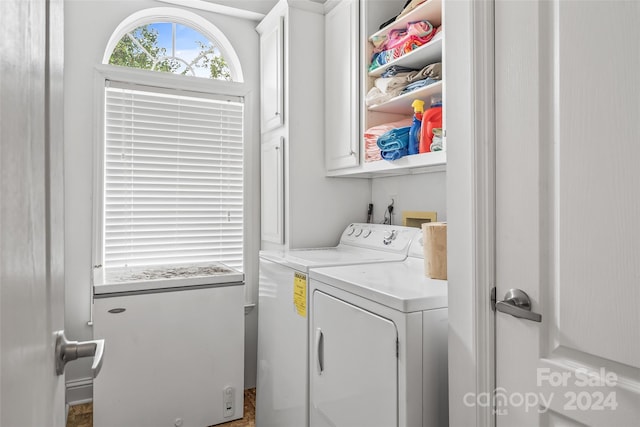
414	132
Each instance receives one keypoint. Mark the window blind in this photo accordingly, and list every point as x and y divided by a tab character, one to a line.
173	178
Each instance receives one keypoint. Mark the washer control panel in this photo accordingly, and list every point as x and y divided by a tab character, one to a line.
378	236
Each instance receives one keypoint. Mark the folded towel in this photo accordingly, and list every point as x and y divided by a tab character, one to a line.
436	142
432	71
395	70
402	41
393	143
418	84
394	139
389	84
393	154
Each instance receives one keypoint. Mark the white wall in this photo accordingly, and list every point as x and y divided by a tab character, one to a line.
88	26
421	192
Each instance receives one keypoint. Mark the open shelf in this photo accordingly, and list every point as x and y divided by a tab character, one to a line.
402	104
417	163
399	106
418	58
431	10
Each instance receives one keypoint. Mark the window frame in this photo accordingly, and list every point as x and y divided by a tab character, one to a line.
178	16
162	80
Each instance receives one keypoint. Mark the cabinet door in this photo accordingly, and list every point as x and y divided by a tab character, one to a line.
353	366
271	84
272	189
342	139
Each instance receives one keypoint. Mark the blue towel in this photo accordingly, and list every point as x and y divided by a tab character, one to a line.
393	154
419	84
395	69
394	139
394	144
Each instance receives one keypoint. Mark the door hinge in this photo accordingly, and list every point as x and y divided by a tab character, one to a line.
493	298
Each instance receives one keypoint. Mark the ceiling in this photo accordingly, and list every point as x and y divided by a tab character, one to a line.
259	6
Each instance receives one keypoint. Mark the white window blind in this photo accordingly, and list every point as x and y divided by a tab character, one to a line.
173	178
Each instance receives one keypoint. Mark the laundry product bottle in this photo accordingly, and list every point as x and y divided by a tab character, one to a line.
431	119
414	132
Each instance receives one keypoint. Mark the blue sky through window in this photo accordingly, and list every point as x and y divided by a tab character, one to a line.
187	47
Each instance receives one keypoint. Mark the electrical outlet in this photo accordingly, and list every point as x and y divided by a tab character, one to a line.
228	397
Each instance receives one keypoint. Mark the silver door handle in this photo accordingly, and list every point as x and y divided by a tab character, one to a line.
518	304
66	351
320	350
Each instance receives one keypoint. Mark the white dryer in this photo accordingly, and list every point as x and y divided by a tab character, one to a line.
378	348
282	394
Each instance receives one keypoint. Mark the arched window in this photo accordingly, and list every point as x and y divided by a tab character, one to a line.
172	166
174	41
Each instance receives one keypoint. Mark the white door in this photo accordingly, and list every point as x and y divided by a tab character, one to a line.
31	213
567	210
353	366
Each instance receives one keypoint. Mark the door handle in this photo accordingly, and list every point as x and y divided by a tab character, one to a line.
66	351
518	304
320	350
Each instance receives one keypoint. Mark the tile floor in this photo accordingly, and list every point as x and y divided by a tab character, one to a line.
82	415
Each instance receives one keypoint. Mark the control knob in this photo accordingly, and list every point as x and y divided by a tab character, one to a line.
389	236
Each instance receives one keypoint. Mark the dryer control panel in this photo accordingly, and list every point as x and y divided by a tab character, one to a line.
395	238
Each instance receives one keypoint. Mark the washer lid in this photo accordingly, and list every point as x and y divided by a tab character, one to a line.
402	286
304	259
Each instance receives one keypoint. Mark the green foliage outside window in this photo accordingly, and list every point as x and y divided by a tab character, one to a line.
139	49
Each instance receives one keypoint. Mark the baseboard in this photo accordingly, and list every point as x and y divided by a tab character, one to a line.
79	391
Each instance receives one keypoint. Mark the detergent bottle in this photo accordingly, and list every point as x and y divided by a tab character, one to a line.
414	133
431	119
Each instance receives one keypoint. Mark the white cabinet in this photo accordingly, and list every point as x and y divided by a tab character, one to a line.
371	15
354	374
312	208
271	63
342	148
272	189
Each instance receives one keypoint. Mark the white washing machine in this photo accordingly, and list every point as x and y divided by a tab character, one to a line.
283	376
378	348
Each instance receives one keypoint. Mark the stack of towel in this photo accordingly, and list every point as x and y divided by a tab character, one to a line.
394	143
399	42
398	80
371	135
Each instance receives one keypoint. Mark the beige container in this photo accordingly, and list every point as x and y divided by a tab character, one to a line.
435	249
